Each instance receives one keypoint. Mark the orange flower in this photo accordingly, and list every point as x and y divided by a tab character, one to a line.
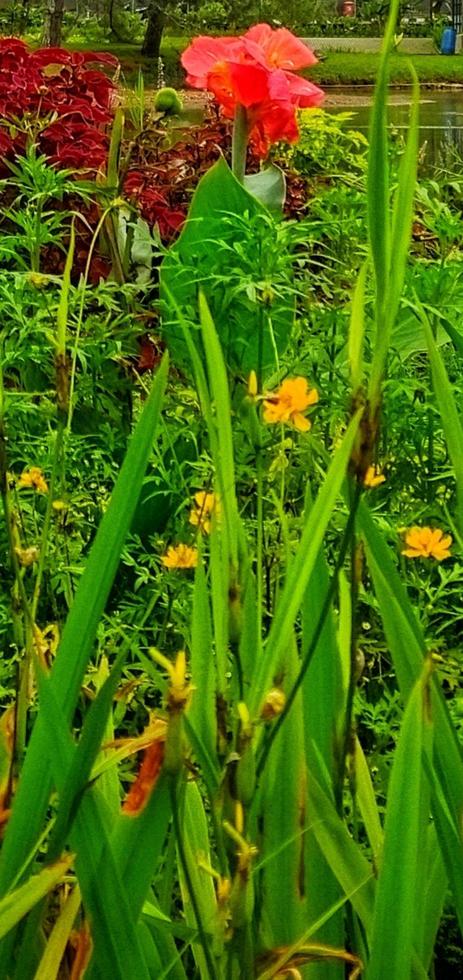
288	403
180	556
33	477
207	506
373	478
426	542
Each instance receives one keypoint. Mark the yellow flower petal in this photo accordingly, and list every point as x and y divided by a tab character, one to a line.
427	542
180	556
287	404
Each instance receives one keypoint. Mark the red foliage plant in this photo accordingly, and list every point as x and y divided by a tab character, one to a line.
61	97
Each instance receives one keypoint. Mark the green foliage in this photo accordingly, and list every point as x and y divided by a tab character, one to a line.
326	146
279	728
253	304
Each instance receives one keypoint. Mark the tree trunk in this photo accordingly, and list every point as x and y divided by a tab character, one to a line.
156	19
53	23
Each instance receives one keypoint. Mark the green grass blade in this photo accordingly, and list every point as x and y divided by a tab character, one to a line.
76	645
137	843
195	832
15	905
49	965
301	568
323	712
408	649
342	854
435	891
202	712
357	330
366	800
283	801
117	950
224	461
402	215
378	211
453	428
87	749
397	911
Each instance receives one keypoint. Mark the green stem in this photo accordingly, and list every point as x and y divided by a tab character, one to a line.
346	746
239	143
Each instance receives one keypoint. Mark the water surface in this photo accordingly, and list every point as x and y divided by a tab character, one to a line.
441	116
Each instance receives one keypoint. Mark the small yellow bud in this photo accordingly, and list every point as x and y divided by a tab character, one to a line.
38	279
273	705
252	385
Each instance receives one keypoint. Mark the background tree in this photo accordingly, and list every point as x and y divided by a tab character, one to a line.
54	11
154	27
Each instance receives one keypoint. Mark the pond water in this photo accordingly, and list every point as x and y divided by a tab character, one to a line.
441	117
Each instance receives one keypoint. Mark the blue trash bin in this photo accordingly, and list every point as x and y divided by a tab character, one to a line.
449	38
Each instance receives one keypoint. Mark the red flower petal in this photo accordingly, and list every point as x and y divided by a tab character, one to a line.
281	48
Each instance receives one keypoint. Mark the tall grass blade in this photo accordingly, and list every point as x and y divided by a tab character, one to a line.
202	711
408	649
396	909
301	568
452	425
57	941
283	812
342	854
117	950
323	713
76	645
15	905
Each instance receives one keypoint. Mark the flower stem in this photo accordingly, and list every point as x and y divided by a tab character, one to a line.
239	143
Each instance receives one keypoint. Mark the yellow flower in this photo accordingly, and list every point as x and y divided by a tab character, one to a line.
288	403
426	542
207	506
373	478
180	556
33	477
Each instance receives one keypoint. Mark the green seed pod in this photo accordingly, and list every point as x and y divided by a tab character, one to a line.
168	100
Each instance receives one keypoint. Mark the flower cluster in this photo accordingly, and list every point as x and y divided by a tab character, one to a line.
63	87
256	71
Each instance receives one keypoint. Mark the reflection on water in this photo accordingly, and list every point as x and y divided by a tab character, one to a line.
441	120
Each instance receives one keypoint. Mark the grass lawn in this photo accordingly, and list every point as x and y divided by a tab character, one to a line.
340	68
337	68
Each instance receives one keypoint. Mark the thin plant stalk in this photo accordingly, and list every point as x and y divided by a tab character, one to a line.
239	143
